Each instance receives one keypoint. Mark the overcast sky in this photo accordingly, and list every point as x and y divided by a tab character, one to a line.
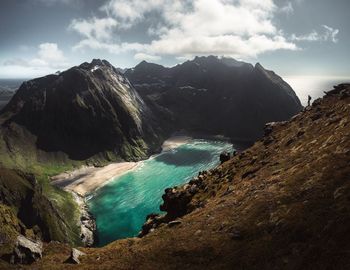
291	37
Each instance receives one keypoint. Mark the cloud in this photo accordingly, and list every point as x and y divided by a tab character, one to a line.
146	57
328	34
288	9
236	28
94	28
49	57
129	12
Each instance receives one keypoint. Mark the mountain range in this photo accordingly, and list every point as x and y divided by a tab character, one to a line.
95	113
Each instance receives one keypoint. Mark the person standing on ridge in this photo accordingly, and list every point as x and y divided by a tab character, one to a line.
308	100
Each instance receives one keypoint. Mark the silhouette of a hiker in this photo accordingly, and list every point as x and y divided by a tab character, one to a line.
308	100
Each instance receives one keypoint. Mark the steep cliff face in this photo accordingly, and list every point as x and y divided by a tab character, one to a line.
214	95
281	204
86	111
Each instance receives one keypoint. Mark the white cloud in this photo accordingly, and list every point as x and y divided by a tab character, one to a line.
129	12
49	58
328	34
146	57
237	28
99	29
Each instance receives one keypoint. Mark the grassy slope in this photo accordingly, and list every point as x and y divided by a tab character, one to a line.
288	207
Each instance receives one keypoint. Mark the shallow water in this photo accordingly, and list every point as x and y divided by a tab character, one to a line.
121	206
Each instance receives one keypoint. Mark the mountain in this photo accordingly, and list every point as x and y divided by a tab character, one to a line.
215	95
88	111
281	204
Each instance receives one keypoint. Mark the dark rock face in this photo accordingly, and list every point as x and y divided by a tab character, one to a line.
74	256
215	95
26	250
175	202
224	156
87	110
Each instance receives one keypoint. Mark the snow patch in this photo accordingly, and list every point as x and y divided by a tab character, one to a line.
95	68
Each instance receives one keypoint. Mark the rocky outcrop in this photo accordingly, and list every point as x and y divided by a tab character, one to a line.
224	156
26	251
74	256
86	222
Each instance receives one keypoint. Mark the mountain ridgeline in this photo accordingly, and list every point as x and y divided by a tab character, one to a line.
216	96
94	112
86	111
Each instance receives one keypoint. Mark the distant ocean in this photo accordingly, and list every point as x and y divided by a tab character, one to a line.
313	86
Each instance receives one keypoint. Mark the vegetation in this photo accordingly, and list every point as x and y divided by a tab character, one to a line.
281	204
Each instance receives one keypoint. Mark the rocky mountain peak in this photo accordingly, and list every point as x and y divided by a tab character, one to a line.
85	111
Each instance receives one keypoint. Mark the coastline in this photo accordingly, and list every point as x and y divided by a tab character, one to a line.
87	179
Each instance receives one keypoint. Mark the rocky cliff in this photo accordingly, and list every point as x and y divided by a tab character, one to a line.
215	95
281	204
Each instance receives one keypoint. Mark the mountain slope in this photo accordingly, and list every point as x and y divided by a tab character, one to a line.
215	95
281	204
87	111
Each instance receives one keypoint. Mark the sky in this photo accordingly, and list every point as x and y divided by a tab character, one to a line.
291	37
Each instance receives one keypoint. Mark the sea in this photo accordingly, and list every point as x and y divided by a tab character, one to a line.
121	206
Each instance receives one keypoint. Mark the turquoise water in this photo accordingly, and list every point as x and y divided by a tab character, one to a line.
121	206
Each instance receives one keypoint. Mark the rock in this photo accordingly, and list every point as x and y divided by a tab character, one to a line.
224	156
175	202
269	127
344	94
26	250
87	222
198	232
152	221
290	141
236	235
74	256
229	190
174	223
268	140
316	116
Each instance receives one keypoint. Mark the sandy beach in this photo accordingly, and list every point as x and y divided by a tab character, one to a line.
88	178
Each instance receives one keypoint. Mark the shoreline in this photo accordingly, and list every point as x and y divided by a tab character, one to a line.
87	179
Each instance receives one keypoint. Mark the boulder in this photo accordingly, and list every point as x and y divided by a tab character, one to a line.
26	251
74	256
176	202
224	156
174	223
152	222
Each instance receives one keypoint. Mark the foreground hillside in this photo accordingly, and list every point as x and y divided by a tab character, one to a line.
281	204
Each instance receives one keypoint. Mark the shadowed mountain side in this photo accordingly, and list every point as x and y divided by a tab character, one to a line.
85	111
215	96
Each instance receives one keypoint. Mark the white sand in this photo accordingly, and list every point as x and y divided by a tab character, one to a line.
87	179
